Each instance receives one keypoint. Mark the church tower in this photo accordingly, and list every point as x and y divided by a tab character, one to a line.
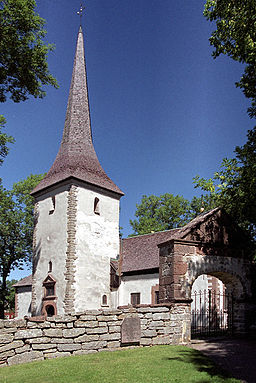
76	216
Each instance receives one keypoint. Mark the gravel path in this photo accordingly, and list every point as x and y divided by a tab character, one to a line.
238	356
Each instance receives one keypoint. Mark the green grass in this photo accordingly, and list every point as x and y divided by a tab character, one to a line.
158	364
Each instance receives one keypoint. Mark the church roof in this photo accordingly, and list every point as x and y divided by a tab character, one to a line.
141	252
76	157
27	281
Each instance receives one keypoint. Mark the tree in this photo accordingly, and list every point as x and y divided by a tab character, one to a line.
4	140
16	230
10	296
234	186
235	36
23	53
160	213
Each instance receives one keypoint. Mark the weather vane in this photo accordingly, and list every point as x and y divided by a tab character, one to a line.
80	12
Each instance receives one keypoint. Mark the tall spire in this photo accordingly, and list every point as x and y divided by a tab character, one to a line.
76	157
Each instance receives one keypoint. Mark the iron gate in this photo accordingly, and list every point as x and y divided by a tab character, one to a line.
211	313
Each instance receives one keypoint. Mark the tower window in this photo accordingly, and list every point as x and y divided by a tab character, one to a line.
104	300
53	205
96	206
50	267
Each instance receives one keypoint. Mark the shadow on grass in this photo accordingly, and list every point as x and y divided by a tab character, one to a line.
201	363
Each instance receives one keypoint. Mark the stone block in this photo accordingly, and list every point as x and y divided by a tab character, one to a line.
107	318
52	355
87	317
26	357
62	340
94	345
86	324
44	346
73	332
148	333
27	334
111	312
43	339
86	338
114	344
159	309
12	345
25	348
145	341
6	338
53	332
98	330
161	316
156	324
114	336
7	354
161	340
115	323
104	324
114	329
130	329
68	347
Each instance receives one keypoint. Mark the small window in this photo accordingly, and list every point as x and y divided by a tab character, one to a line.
135	299
96	206
157	297
50	310
49	290
50	267
104	300
53	206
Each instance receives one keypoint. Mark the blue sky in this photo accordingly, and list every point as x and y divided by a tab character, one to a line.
162	109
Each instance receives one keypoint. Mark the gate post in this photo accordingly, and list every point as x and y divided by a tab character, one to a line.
172	286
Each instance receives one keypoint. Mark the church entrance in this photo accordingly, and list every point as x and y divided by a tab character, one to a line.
211	308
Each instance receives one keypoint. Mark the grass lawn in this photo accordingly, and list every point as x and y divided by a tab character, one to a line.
158	364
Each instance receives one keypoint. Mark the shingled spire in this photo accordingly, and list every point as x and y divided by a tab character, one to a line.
76	157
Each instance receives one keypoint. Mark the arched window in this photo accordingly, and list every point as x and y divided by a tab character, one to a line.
50	267
96	206
50	311
104	300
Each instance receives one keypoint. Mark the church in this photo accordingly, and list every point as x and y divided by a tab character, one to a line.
79	261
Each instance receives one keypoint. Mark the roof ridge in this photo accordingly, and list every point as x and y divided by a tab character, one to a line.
156	232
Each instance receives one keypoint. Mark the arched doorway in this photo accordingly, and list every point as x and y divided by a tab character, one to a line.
211	307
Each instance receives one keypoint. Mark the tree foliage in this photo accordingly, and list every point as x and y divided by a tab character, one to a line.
4	140
234	186
235	36
23	52
16	230
10	296
157	213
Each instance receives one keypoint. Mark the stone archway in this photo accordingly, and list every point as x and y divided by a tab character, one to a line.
182	261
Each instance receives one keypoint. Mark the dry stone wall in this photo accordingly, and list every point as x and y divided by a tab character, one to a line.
30	339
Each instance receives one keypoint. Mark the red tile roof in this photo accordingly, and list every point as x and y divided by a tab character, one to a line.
141	252
76	157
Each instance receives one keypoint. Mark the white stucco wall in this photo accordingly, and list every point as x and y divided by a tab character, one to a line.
137	284
51	245
23	301
97	240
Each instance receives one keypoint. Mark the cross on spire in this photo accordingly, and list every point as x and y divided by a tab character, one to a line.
80	12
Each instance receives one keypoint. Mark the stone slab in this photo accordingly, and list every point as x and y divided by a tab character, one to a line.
130	330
